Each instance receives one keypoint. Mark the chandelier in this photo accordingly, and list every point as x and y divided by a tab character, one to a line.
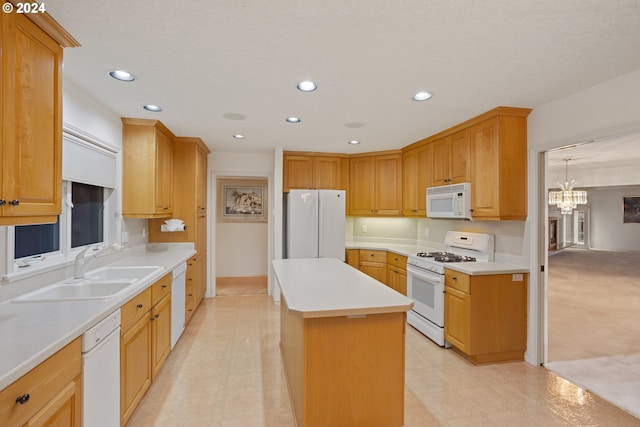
567	198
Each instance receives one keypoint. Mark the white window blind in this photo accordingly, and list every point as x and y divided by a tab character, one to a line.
87	160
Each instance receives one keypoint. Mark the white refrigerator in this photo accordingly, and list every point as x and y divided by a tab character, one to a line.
315	224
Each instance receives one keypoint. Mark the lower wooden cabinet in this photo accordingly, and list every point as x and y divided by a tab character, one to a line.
190	289
374	264
145	343
389	268
397	272
485	317
48	395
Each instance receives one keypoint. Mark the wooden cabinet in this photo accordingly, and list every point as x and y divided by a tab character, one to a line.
190	205
397	272
485	316
160	334
31	117
147	169
375	185
50	394
499	167
374	264
417	172
145	342
308	170
191	278
135	353
451	163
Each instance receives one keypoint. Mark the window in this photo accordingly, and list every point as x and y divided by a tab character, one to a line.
39	239
87	224
87	215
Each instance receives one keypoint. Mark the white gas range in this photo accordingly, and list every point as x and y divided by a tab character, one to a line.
425	279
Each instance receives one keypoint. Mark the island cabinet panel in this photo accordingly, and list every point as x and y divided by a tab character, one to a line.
328	358
342	336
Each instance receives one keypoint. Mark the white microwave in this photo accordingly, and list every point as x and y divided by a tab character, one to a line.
449	201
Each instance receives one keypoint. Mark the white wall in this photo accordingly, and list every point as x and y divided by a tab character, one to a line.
606	229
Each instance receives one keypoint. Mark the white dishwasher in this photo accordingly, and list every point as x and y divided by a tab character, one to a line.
178	299
101	373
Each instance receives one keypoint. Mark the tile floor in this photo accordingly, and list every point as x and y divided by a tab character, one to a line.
226	371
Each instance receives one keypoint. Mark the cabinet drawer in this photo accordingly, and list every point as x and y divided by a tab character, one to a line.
160	289
457	280
132	311
373	256
41	385
397	260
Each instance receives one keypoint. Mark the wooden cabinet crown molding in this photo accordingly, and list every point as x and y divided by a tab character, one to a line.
498	111
48	24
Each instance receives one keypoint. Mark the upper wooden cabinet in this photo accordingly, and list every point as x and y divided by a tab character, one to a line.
375	184
417	171
147	169
190	196
499	168
451	159
308	170
31	117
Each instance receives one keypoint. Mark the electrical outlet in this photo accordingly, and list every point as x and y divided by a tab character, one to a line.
364	228
125	237
426	232
144	233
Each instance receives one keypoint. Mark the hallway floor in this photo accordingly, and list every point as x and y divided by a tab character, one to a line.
226	371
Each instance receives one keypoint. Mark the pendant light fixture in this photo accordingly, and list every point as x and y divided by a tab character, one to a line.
567	198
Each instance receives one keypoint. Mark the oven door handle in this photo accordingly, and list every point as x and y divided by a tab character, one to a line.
425	275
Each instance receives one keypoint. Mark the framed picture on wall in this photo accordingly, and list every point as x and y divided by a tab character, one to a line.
242	201
631	210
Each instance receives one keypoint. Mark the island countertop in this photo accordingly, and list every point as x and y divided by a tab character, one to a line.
327	287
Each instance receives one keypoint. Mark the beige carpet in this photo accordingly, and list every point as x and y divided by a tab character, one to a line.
594	323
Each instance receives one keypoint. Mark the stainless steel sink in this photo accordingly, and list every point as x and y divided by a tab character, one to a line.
82	290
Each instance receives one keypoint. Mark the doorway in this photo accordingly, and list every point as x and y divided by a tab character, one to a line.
242	235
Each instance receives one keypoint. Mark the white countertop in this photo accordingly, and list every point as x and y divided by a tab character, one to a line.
33	331
486	268
327	287
472	268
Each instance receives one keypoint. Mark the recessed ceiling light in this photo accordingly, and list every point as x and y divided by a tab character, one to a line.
153	108
421	96
122	75
354	142
307	86
293	119
239	136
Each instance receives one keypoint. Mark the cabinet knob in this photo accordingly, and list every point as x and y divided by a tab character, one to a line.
21	400
164	286
454	278
139	306
14	202
3	202
152	318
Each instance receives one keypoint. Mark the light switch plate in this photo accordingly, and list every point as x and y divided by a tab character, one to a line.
517	277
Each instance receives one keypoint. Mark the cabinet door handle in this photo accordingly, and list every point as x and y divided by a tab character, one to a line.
21	400
3	202
454	278
164	286
14	202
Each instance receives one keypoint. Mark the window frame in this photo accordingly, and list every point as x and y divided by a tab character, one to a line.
38	264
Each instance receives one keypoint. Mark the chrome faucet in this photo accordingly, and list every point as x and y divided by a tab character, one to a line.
82	261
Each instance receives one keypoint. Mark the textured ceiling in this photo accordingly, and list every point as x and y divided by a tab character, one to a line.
201	60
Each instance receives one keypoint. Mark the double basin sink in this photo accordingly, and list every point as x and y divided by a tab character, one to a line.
102	283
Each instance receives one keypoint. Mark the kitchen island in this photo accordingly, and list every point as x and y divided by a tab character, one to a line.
342	336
